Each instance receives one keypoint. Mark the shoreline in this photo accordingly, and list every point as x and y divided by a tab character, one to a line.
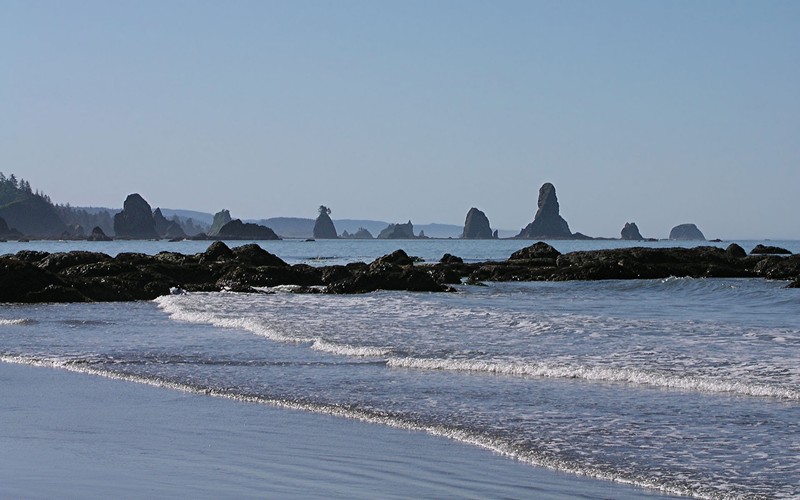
74	433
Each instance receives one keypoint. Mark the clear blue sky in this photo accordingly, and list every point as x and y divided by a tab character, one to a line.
654	112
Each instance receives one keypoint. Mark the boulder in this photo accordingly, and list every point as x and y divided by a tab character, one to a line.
735	251
631	232
451	259
136	219
254	255
238	230
476	226
686	232
547	223
220	219
397	258
398	232
539	250
323	226
768	249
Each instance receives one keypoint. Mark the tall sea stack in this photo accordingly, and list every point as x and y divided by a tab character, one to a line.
323	226
476	226
220	219
547	224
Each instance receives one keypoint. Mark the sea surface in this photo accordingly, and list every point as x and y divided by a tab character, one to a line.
687	386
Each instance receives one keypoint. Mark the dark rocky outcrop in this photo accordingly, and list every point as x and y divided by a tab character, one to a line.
174	231
686	232
361	234
768	249
398	232
451	259
238	230
136	220
631	232
547	223
323	226
98	235
476	226
31	276
220	219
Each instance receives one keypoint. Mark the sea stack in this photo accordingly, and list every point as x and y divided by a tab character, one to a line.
323	226
547	224
686	232
220	219
631	232
136	219
476	226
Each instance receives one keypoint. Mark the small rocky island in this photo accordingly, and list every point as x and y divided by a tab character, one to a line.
476	226
80	276
686	232
547	223
323	226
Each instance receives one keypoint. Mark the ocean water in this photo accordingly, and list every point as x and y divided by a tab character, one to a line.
688	386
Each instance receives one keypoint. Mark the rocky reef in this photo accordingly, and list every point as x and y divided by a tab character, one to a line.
238	230
79	276
686	232
361	234
398	232
476	226
547	223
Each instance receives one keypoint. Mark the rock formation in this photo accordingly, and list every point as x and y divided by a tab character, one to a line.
398	232
361	234
136	219
323	226
173	231
238	230
686	232
547	223
161	222
7	232
476	226
631	232
98	235
220	219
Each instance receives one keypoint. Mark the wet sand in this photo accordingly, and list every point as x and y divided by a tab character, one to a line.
65	434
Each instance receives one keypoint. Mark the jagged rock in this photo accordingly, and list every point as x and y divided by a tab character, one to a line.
686	232
136	219
238	230
547	223
476	226
220	219
323	226
98	235
398	232
735	251
217	251
631	232
539	250
160	222
768	249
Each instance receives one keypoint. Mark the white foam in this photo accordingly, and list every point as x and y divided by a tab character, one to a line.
600	374
348	350
16	321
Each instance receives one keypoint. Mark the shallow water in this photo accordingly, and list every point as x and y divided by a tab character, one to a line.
690	386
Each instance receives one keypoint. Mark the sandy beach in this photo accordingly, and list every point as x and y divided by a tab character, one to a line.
67	434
